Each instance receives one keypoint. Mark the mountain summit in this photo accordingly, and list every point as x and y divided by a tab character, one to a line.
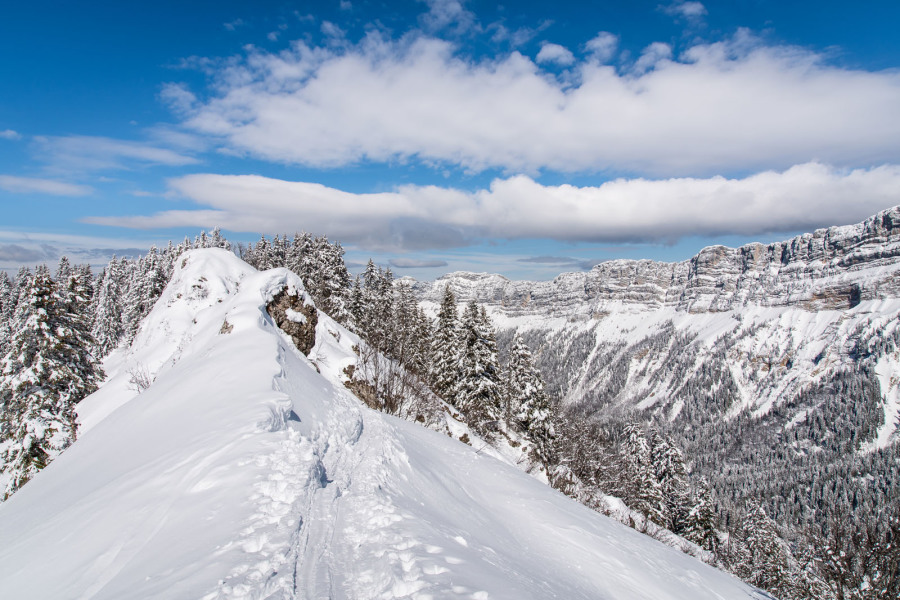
218	461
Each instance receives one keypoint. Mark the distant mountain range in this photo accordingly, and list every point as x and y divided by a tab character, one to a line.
775	366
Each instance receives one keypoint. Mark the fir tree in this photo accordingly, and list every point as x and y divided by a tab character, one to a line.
478	393
668	463
700	525
46	370
525	402
759	556
108	326
148	280
7	307
644	492
444	370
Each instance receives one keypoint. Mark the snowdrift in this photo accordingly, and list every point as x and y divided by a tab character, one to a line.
218	462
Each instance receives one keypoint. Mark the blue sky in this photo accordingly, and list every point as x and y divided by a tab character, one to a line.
438	135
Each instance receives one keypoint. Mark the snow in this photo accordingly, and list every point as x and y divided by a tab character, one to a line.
887	370
246	470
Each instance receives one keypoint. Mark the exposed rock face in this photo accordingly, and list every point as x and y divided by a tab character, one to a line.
830	268
295	318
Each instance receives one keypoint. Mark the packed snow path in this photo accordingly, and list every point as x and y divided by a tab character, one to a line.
243	472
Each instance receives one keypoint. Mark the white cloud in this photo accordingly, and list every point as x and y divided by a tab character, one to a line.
19	248
233	25
29	185
687	10
9	134
651	56
732	105
803	197
555	54
331	30
444	13
603	46
89	153
178	97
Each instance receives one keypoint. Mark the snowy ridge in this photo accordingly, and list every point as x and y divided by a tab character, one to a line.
241	471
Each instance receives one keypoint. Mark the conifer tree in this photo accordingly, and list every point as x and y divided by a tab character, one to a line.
108	326
668	463
525	402
148	280
644	492
217	240
444	370
700	525
7	306
759	556
45	371
478	393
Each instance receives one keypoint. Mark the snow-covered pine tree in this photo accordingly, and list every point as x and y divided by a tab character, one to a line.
45	371
108	326
759	556
7	306
297	259
261	256
279	251
148	280
217	240
700	525
478	393
64	269
671	474
326	277
356	305
75	296
525	402
412	331
444	369
644	492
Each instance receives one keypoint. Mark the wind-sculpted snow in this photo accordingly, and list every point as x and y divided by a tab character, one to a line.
242	471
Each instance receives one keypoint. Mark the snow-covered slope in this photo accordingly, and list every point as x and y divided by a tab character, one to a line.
244	471
761	323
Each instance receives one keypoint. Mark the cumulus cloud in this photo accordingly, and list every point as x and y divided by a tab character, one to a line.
30	185
603	46
9	134
90	153
803	197
442	14
734	105
651	57
413	263
554	54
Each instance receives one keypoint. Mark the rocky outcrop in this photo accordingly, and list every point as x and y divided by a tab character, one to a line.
296	318
831	268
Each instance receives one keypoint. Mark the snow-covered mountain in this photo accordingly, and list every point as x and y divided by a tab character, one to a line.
218	461
782	315
775	367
